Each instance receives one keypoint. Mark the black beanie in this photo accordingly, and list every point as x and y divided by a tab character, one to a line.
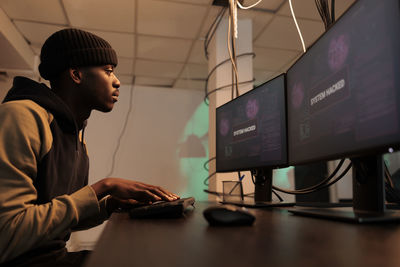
74	48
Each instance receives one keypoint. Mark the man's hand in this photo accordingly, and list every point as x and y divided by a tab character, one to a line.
131	191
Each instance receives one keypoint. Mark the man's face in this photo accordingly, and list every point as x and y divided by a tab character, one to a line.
100	87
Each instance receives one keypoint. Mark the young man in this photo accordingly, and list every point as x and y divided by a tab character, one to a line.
43	159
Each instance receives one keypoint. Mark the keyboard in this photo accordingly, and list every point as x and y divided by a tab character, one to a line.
162	209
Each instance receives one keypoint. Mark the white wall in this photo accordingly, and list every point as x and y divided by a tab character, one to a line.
149	150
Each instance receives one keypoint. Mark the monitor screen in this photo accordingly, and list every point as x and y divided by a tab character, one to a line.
344	92
251	129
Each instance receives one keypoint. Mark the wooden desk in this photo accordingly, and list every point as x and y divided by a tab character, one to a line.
276	239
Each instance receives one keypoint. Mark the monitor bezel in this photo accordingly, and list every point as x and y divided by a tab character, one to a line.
273	166
378	149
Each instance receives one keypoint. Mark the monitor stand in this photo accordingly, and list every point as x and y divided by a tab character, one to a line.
368	196
262	192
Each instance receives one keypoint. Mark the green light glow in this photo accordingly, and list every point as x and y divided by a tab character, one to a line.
192	167
281	177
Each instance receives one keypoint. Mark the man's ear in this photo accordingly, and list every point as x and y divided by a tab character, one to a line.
76	75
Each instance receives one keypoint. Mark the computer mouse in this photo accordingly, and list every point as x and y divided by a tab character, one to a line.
228	215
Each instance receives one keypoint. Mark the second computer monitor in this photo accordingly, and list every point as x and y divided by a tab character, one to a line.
344	92
251	129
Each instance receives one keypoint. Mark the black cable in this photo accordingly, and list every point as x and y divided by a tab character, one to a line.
213	28
252	178
206	93
213	192
225	61
317	3
388	176
239	176
340	176
123	128
215	23
208	178
208	161
392	193
296	192
327	16
273	191
277	195
320	6
326	180
323	182
327	13
222	87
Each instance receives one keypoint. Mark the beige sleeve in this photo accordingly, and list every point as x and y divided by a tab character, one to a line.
25	138
93	221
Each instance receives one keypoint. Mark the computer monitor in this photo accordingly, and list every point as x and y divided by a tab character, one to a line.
251	135
344	99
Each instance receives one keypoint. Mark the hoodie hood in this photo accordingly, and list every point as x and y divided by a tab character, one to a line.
27	89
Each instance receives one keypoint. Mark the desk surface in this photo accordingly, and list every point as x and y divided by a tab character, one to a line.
277	238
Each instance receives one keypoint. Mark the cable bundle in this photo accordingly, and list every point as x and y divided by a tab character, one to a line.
328	16
328	181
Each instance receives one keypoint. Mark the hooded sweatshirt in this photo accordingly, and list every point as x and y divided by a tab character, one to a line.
43	173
